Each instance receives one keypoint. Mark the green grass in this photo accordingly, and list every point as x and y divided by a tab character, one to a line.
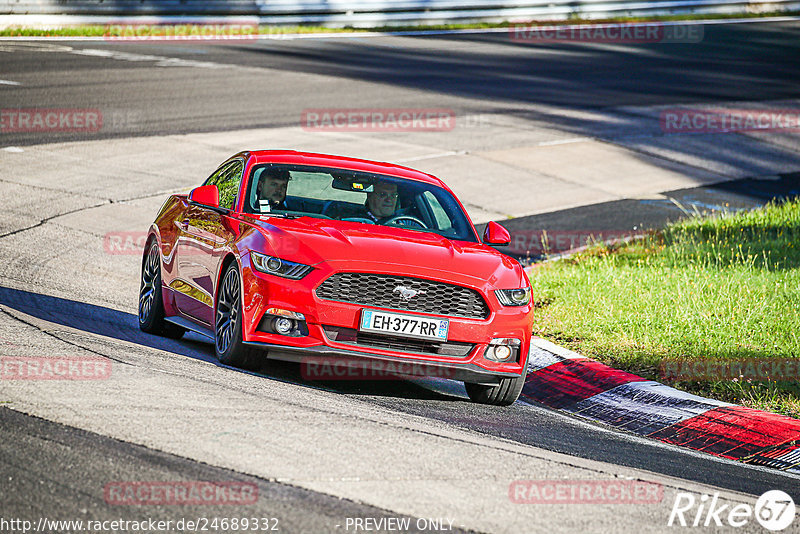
719	288
103	30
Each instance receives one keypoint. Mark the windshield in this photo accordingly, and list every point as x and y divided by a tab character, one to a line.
367	198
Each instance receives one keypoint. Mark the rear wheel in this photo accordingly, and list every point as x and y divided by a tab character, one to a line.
503	394
151	305
228	343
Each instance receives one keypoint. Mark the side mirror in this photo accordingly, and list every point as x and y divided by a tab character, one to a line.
207	195
494	234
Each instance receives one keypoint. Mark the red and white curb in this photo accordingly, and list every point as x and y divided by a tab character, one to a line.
565	380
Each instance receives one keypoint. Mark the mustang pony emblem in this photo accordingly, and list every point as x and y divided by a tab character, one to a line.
406	293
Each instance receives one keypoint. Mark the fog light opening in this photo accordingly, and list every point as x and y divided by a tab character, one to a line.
283	325
502	353
503	350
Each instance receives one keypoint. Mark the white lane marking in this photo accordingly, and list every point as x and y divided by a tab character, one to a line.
161	61
32	47
565	141
9	82
14	149
433	156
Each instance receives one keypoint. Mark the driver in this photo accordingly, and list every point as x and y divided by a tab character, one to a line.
381	202
272	186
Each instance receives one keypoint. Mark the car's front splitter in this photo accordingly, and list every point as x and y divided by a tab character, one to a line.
326	363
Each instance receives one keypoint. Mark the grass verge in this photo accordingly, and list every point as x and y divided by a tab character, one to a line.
114	30
722	288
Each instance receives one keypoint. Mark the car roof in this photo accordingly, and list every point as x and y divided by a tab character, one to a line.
341	162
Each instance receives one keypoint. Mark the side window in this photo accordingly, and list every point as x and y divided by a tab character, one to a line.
227	179
214	178
228	184
442	220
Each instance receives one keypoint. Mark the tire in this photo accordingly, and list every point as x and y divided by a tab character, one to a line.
151	305
228	343
505	393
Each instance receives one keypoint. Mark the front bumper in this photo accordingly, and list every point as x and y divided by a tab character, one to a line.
316	347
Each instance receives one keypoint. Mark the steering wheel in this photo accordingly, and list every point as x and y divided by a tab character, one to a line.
405	218
328	205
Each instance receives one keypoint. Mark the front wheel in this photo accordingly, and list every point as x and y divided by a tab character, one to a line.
503	394
228	320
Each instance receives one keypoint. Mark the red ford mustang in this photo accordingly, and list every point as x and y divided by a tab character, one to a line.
315	258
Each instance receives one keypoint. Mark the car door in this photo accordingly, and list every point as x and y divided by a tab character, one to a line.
202	246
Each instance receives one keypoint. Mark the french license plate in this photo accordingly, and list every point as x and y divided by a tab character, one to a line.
399	324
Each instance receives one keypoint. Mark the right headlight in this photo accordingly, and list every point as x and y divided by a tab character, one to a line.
514	297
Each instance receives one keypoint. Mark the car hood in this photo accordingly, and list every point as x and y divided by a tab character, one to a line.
352	246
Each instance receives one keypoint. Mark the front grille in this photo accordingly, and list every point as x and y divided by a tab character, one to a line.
351	336
384	291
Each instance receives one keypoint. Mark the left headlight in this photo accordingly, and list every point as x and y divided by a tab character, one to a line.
279	266
514	297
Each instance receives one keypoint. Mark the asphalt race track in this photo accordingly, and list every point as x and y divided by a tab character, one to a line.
320	453
268	83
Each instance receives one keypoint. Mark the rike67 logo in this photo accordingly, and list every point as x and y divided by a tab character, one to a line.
774	510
